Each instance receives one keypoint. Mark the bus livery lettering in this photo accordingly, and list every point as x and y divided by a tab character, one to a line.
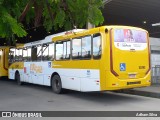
37	69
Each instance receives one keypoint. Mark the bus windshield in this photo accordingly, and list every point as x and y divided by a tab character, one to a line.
130	39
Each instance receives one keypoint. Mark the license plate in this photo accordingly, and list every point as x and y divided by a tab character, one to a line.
133	83
132	75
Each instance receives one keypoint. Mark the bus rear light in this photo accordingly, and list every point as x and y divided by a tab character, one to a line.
148	80
115	84
24	69
97	82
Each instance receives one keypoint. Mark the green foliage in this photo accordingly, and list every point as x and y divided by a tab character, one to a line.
56	14
9	25
79	12
59	19
30	16
95	17
70	13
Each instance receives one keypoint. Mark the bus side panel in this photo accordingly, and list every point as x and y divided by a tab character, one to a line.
17	66
81	75
90	80
11	74
70	79
79	79
104	61
37	72
4	62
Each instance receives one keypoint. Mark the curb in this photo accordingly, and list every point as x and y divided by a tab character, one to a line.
142	93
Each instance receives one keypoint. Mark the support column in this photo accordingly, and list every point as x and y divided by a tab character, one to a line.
89	25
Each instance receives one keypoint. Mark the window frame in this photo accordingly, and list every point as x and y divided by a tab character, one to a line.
23	54
89	58
18	54
13	59
37	53
80	37
29	58
63	41
53	57
91	49
97	57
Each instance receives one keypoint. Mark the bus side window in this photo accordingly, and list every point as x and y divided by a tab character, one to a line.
86	47
39	52
59	50
97	47
51	51
20	53
66	50
25	54
34	53
29	54
76	48
12	55
45	52
63	50
18	56
48	52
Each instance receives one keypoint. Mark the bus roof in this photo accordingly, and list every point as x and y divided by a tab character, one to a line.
93	31
48	39
124	27
4	47
77	33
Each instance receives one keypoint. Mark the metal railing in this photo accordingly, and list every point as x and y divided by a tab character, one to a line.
155	75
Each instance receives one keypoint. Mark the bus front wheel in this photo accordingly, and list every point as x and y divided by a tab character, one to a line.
57	84
17	78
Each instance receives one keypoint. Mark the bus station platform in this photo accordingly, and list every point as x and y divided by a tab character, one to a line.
151	91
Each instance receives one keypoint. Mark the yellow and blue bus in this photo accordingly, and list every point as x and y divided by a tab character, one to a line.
4	51
97	59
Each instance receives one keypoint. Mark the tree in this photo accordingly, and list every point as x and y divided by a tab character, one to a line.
9	13
52	14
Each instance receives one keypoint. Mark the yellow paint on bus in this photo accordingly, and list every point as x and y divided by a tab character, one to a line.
4	51
111	59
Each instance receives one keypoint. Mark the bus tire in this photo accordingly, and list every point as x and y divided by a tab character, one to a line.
57	84
18	79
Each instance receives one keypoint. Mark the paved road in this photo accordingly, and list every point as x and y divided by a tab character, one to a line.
31	97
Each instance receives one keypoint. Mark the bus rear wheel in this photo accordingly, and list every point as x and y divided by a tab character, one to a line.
17	78
57	84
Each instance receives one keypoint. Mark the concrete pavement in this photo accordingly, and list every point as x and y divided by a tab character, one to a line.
30	97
